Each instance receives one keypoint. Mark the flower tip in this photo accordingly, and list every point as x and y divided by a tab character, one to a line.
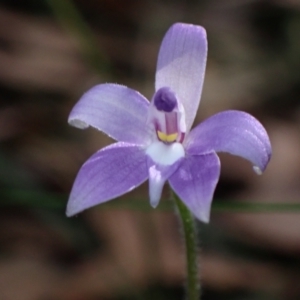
257	170
78	123
72	210
201	31
154	204
182	25
203	216
69	212
204	219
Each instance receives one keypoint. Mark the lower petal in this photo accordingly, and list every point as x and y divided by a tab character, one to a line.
165	154
158	175
109	173
195	181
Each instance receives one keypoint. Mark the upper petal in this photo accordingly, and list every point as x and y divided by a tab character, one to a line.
235	132
117	110
181	65
109	173
195	182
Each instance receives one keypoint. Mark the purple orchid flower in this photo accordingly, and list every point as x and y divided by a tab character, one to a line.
155	140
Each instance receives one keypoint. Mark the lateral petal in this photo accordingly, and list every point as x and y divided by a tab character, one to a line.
109	173
117	110
234	132
181	65
195	182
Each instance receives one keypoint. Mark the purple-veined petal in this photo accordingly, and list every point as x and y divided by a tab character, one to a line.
195	182
117	110
109	173
158	175
234	132
181	65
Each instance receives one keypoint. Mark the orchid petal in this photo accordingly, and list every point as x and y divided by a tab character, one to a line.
109	173
158	174
181	65
165	154
118	111
235	132
195	181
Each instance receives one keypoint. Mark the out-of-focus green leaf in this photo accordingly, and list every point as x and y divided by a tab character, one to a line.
72	21
42	199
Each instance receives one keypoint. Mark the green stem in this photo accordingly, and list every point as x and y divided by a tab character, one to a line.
190	236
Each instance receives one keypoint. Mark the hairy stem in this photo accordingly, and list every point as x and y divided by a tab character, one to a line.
190	237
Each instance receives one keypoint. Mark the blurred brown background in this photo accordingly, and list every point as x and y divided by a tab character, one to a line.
53	51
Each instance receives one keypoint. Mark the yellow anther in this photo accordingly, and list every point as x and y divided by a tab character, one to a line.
169	138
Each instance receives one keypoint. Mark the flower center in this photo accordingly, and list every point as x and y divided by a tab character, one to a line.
168	116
